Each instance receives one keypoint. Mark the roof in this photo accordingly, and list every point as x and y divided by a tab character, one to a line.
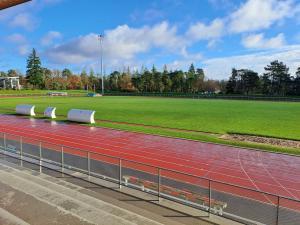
9	3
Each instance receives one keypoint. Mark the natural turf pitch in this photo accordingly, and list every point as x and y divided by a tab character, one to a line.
276	119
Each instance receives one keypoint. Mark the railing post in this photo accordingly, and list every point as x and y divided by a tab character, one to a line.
62	159
89	164
21	150
40	157
277	214
120	173
4	141
158	183
209	197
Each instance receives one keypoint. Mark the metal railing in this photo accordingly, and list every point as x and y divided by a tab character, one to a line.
235	202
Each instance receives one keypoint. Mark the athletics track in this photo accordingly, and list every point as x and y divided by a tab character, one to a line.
276	174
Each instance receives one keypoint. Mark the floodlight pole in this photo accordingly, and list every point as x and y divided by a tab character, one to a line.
101	62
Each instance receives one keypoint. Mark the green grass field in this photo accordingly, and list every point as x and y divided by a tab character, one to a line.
276	119
37	92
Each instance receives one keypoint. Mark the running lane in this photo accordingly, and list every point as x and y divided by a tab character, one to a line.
274	173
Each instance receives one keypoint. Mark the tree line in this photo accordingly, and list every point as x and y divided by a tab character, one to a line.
275	81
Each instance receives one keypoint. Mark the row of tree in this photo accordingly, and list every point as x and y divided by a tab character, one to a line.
276	80
146	80
192	81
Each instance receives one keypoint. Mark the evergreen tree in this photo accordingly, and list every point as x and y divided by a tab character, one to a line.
113	80
136	81
265	84
231	84
243	81
298	72
157	76
92	73
280	78
190	78
84	79
198	83
66	73
297	82
166	80
192	69
34	73
249	80
177	81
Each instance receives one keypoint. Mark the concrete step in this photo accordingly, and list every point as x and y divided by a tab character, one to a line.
67	198
8	218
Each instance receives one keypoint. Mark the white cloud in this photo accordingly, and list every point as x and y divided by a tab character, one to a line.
212	43
259	41
23	15
120	45
23	20
123	45
260	14
50	37
129	46
20	42
164	35
201	31
16	38
184	63
220	68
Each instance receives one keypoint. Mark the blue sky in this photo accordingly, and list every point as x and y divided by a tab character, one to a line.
213	34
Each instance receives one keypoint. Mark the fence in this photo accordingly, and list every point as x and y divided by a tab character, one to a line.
213	197
206	96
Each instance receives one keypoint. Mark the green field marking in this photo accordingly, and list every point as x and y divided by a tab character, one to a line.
274	119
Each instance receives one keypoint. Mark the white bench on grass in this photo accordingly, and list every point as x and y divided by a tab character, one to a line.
80	115
56	93
50	112
25	110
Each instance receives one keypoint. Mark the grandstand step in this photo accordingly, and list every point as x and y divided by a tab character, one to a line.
68	199
8	218
90	189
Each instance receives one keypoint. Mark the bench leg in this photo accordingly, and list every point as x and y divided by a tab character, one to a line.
126	180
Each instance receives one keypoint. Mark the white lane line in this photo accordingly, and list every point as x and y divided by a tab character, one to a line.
242	167
266	169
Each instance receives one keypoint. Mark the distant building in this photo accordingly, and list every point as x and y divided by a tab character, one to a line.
10	83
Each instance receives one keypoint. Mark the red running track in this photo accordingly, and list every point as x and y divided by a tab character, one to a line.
278	174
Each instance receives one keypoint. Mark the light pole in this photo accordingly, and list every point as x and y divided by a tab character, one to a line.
101	37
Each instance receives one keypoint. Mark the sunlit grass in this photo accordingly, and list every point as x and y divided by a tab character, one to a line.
276	119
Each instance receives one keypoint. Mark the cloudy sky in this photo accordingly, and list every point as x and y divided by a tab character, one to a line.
213	34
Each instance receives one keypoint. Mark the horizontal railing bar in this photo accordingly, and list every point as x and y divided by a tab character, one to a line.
157	167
